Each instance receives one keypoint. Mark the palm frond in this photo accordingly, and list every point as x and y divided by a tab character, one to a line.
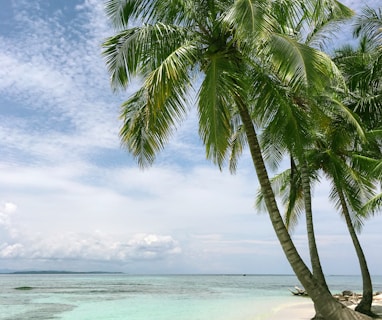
278	182
121	57
121	11
136	134
290	16
293	198
356	218
348	116
370	104
139	50
301	66
282	116
169	79
179	12
274	148
266	91
150	115
286	186
369	23
238	142
369	165
250	19
373	206
124	13
216	93
351	188
324	20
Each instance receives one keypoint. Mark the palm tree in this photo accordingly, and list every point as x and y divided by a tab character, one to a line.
224	41
303	190
333	159
351	188
362	67
288	121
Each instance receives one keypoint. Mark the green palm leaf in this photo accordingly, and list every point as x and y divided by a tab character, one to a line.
301	66
369	23
140	50
124	13
250	19
237	142
373	206
347	115
214	118
150	115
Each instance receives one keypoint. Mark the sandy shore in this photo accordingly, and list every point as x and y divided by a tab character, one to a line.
305	311
299	311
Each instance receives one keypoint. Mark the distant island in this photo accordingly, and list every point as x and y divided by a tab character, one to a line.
63	272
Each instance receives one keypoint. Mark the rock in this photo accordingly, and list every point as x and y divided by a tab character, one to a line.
299	292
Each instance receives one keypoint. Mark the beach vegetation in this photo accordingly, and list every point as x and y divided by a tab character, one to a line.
362	67
249	72
347	158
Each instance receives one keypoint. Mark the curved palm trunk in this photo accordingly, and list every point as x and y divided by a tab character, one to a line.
314	257
364	305
324	302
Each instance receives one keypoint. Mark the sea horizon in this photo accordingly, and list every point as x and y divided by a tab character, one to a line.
53	271
90	296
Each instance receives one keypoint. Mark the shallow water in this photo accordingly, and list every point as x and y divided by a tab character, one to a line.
176	297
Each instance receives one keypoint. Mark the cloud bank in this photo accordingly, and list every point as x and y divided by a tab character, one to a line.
72	198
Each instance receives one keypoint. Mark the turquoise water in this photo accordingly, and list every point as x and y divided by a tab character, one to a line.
177	297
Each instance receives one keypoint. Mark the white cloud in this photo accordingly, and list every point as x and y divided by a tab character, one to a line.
91	247
55	74
81	200
98	246
10	207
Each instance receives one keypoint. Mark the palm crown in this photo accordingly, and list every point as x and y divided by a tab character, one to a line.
255	70
229	42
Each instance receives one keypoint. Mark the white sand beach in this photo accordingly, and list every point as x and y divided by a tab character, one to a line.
305	310
299	311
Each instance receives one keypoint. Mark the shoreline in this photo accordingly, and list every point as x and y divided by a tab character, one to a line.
304	310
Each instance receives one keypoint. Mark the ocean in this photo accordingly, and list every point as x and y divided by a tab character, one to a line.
154	297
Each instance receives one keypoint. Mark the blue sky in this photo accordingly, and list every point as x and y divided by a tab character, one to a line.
72	198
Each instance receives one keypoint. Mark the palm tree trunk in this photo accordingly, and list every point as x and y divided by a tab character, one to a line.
324	302
314	257
364	306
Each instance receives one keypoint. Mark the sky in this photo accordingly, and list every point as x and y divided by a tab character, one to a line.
71	198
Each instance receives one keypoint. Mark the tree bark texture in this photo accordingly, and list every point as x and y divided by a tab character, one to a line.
364	305
324	302
313	251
